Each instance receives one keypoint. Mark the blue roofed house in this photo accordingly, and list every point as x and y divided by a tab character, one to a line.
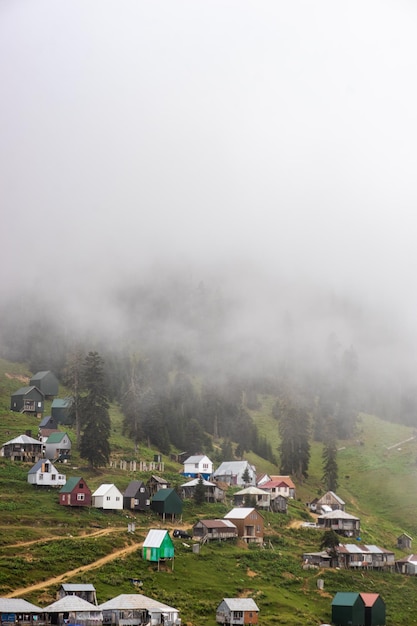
198	465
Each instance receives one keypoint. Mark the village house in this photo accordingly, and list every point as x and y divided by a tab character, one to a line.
158	546
85	591
28	399
355	556
136	496
348	609
252	496
214	529
341	522
107	497
235	472
61	410
407	565
249	523
330	500
155	483
166	502
47	426
404	541
280	485
198	465
71	609
316	559
237	612
19	612
75	492
45	474
58	446
262	478
22	448
138	610
46	382
213	492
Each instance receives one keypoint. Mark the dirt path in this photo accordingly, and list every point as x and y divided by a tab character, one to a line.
96	533
84	568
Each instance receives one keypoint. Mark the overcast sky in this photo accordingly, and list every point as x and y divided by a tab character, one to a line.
276	135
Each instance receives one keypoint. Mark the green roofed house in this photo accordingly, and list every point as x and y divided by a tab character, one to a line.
58	446
61	410
158	546
167	502
75	492
348	609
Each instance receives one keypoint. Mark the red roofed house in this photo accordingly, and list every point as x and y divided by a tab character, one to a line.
374	609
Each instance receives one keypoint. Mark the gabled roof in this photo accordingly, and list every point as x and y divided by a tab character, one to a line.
239	513
38	466
134	601
241	604
163	494
25	390
104	488
70	485
369	598
41	374
254	491
17	605
411	558
405	535
61	403
195	481
334	496
345	598
272	484
23	439
218	523
71	603
196	458
232	468
284	479
159	479
45	420
56	437
133	487
78	587
338	514
155	538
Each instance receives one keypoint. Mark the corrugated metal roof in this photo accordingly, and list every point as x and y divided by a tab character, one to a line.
196	459
154	538
218	523
337	514
195	481
239	513
23	439
241	604
70	484
78	587
71	603
134	601
17	605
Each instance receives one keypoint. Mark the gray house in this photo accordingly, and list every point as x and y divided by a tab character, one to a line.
58	446
46	382
22	448
28	399
237	612
85	591
136	496
61	410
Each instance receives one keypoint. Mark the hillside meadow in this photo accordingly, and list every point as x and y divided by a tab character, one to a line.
41	543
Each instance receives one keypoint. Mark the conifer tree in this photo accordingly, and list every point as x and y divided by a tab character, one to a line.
330	468
95	427
200	491
294	430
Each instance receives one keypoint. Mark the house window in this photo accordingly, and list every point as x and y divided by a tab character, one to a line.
108	498
196	465
238	614
80	497
40	476
117	498
205	465
142	490
81	486
258	529
53	476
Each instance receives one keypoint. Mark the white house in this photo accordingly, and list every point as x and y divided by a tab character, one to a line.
232	473
198	465
107	496
45	474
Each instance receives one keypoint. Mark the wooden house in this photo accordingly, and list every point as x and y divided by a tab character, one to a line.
166	502
85	591
316	559
46	382
75	492
136	496
280	485
158	546
58	446
279	504
356	556
375	612
252	496
28	399
213	492
214	530
404	541
107	497
19	612
407	565
61	410
198	465
237	612
155	483
341	522
234	473
331	500
47	426
22	448
134	609
72	609
348	609
249	523
262	478
45	474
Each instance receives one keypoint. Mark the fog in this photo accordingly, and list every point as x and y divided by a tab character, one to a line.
266	149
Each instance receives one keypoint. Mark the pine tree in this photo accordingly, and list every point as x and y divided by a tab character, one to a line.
200	491
73	377
95	427
294	430
330	469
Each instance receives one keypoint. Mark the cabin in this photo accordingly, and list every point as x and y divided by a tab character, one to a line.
85	591
75	492
158	546
331	500
214	530
348	609
280	486
404	541
252	496
407	565
237	612
375	611
233	473
61	410
134	609
19	612
71	609
341	522
167	503
155	483
249	523
198	465
107	497
47	426
213	492
58	446
45	474
136	496
316	559
22	448
46	382
28	399
356	556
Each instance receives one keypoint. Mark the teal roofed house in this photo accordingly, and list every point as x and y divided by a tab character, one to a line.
348	609
158	546
61	410
58	446
167	502
47	382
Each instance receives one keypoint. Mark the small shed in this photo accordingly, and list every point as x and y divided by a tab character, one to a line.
45	474
166	502
18	611
158	546
348	609
136	496
61	410
237	612
58	446
27	399
75	492
107	497
155	483
135	608
404	542
375	614
72	609
47	382
214	529
85	591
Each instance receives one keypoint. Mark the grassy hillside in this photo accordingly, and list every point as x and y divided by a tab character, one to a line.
40	540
